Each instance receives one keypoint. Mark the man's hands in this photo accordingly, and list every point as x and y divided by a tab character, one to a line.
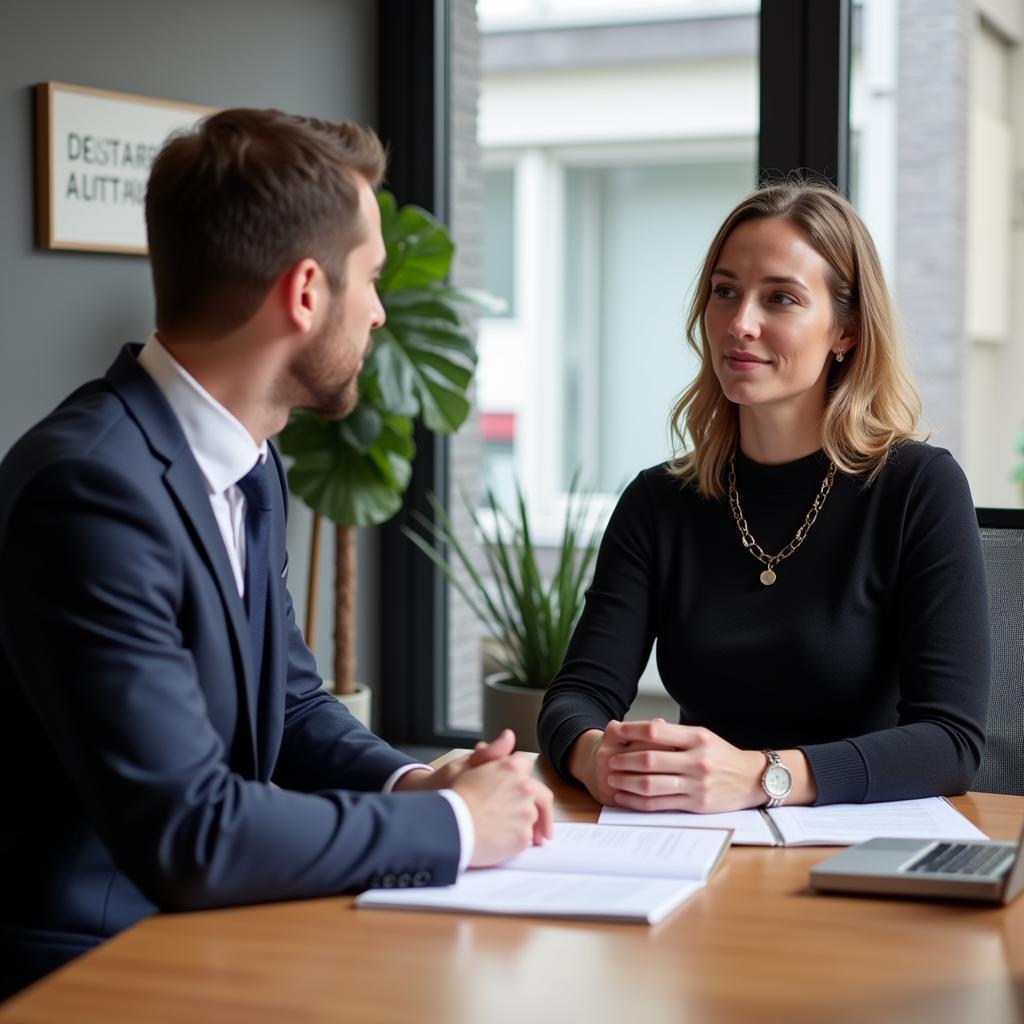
656	766
510	809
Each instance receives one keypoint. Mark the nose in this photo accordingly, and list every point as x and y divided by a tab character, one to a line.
378	315
745	323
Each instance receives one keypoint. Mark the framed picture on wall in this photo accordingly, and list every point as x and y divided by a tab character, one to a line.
94	149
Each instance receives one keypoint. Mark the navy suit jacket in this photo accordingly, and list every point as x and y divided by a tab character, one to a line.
136	746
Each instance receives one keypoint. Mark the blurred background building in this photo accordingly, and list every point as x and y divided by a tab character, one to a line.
614	139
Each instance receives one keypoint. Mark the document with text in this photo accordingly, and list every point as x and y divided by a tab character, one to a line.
830	825
585	871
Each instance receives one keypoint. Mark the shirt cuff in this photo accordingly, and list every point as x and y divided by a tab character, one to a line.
464	821
393	778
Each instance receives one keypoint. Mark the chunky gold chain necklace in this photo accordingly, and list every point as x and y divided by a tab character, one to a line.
768	576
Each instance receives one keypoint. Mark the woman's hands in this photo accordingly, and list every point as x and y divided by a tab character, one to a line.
657	766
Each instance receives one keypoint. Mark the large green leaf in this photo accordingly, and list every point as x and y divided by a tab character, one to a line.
424	366
356	470
352	485
418	247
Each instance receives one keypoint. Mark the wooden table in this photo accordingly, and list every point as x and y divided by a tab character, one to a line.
755	946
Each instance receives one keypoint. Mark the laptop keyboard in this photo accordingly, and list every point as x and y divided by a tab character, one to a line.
960	859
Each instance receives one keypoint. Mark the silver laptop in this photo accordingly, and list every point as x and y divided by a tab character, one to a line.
983	870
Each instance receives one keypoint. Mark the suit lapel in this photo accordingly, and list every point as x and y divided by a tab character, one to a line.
184	480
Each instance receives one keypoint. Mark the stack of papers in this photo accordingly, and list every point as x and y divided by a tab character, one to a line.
586	871
832	825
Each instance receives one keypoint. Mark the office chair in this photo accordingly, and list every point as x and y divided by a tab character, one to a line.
1002	542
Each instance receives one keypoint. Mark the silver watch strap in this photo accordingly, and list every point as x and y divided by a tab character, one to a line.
773	759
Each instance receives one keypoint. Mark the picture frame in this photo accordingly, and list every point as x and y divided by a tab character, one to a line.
94	148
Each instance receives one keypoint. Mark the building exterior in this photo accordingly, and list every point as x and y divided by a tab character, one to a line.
615	137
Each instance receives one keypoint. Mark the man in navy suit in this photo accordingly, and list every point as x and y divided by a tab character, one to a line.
153	683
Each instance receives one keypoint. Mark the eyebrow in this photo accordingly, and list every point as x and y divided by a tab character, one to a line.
770	279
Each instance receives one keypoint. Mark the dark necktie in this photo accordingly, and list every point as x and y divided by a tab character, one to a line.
255	485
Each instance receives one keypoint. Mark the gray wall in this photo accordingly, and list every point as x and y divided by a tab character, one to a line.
66	314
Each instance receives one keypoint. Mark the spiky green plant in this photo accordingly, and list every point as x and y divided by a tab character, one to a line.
532	618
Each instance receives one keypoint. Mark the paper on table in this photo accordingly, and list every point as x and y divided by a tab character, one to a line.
540	894
587	871
830	825
748	827
844	824
599	850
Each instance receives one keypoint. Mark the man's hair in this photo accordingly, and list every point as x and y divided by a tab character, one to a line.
236	201
871	402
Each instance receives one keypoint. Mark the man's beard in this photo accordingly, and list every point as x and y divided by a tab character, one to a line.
316	377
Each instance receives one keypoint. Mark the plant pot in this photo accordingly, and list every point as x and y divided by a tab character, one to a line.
512	707
491	650
358	703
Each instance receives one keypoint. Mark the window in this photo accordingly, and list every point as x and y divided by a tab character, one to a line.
635	234
613	143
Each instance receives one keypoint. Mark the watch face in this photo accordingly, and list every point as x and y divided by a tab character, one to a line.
777	781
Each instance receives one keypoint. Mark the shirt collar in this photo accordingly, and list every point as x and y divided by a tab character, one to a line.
223	448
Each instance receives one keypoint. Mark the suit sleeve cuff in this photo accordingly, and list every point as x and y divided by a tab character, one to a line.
392	779
464	821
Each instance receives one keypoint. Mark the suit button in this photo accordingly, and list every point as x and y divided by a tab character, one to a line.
388	881
404	880
421	878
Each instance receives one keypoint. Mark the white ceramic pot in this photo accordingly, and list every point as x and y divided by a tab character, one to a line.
358	703
512	707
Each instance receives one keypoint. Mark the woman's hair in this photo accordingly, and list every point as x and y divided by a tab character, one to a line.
871	401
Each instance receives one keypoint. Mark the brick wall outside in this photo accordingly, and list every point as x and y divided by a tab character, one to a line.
465	448
931	204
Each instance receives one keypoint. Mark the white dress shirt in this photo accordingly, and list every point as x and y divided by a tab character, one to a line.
225	451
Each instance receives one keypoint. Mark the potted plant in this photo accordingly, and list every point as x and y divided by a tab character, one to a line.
530	618
355	471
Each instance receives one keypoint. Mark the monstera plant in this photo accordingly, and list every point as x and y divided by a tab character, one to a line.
355	471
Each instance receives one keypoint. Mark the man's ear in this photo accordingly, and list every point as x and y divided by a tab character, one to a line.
304	293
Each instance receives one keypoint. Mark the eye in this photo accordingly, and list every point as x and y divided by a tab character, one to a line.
781	299
722	291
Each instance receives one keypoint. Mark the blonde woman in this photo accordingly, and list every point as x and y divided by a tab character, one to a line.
811	573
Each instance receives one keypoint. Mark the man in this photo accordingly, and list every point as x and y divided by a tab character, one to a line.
153	682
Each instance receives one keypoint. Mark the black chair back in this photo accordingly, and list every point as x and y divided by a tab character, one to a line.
1002	541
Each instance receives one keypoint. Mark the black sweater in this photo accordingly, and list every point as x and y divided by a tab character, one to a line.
870	653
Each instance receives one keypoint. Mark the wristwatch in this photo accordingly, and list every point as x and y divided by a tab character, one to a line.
777	780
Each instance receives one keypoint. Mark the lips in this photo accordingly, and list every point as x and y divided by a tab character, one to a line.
744	361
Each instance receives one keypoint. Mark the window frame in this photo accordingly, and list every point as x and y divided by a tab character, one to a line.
801	42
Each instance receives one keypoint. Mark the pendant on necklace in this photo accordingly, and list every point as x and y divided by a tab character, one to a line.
768	577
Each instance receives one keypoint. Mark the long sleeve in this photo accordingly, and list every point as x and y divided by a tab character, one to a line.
940	617
870	652
104	633
612	641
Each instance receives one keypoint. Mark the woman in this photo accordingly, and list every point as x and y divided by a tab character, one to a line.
811	573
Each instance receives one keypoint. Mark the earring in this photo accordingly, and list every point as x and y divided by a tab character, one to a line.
840	355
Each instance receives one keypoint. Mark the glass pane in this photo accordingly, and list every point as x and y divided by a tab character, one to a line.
645	229
499	236
615	137
938	195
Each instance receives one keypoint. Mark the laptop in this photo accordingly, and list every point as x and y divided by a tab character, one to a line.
982	870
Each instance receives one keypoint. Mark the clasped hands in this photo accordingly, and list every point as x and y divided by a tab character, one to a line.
510	809
658	766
